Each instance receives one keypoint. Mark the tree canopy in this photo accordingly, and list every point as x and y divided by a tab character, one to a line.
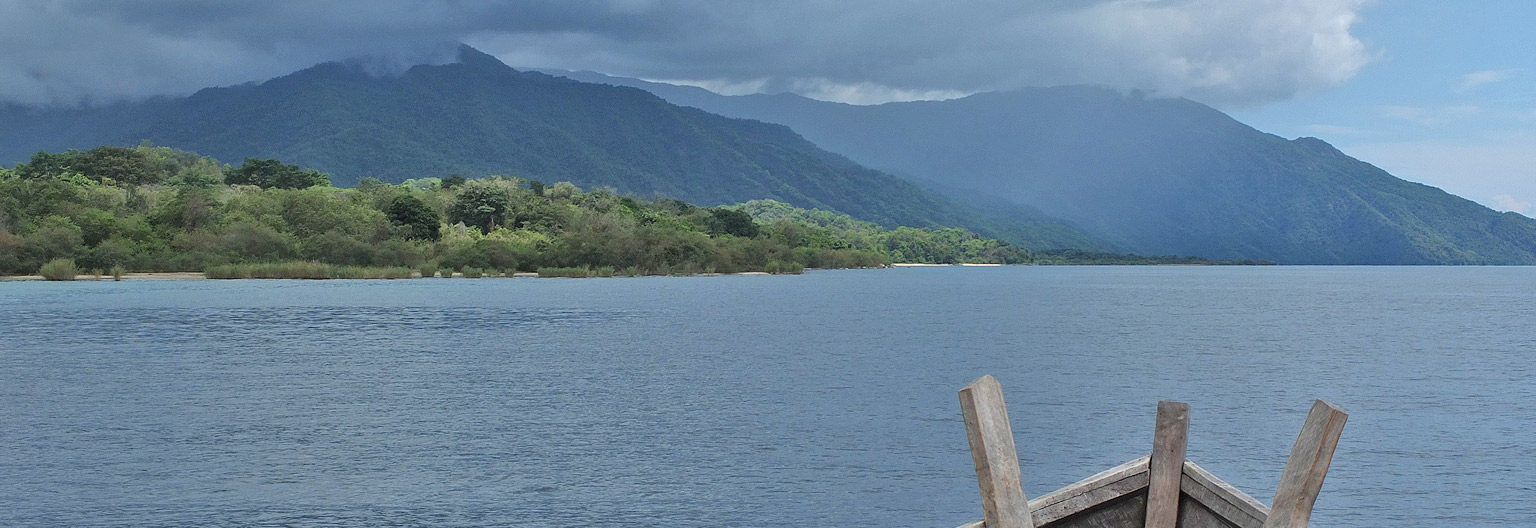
274	174
86	206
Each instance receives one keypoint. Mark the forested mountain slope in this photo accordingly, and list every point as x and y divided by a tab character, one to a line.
478	117
1156	176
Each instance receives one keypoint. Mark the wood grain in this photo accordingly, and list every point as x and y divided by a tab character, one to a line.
1308	464
1003	504
1166	467
1220	498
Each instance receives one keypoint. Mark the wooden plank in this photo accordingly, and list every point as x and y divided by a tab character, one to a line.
1193	514
1308	464
1165	471
1226	501
1090	492
1003	504
1126	511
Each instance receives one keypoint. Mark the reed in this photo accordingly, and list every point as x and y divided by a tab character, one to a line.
577	272
778	267
303	270
59	270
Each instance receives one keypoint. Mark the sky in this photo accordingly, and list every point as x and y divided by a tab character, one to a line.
1434	91
1448	99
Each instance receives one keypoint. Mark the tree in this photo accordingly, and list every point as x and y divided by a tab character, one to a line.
731	222
118	164
480	204
418	220
47	165
453	182
271	173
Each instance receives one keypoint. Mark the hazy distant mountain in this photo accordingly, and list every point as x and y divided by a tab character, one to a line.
1157	176
478	117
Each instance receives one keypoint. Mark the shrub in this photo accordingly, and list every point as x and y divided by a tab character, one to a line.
117	273
270	270
369	272
473	273
577	272
427	270
304	270
781	267
59	270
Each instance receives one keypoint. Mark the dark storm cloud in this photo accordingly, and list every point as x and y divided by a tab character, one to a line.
1232	52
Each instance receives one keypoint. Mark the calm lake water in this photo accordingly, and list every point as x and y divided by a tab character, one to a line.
826	399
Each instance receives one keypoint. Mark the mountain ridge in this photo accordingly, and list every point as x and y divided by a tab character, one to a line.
479	116
1156	176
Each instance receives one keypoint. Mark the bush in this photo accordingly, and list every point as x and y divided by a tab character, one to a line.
117	273
576	272
427	270
473	273
781	267
304	270
370	272
59	270
270	270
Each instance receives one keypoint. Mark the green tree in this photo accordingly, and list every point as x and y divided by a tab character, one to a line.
271	173
418	220
47	165
736	222
482	204
119	164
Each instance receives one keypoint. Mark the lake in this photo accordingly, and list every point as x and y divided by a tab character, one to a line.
826	399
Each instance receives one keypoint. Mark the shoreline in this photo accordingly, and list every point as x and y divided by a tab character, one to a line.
194	275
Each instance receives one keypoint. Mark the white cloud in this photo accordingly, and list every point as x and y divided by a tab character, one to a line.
1480	78
1335	130
1504	164
1504	202
1430	115
1231	53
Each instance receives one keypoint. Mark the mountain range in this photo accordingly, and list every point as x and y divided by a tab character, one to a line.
1151	175
478	116
1065	167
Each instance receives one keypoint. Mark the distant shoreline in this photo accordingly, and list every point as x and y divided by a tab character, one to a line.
192	275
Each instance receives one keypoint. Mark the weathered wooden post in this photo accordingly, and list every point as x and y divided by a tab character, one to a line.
1163	490
997	462
1166	467
1303	476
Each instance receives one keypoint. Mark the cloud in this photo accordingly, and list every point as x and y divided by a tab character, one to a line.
1480	78
1228	52
1504	202
1425	115
1335	130
1482	169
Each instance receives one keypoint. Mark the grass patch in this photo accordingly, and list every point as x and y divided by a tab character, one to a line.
780	267
303	270
59	270
472	273
577	272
